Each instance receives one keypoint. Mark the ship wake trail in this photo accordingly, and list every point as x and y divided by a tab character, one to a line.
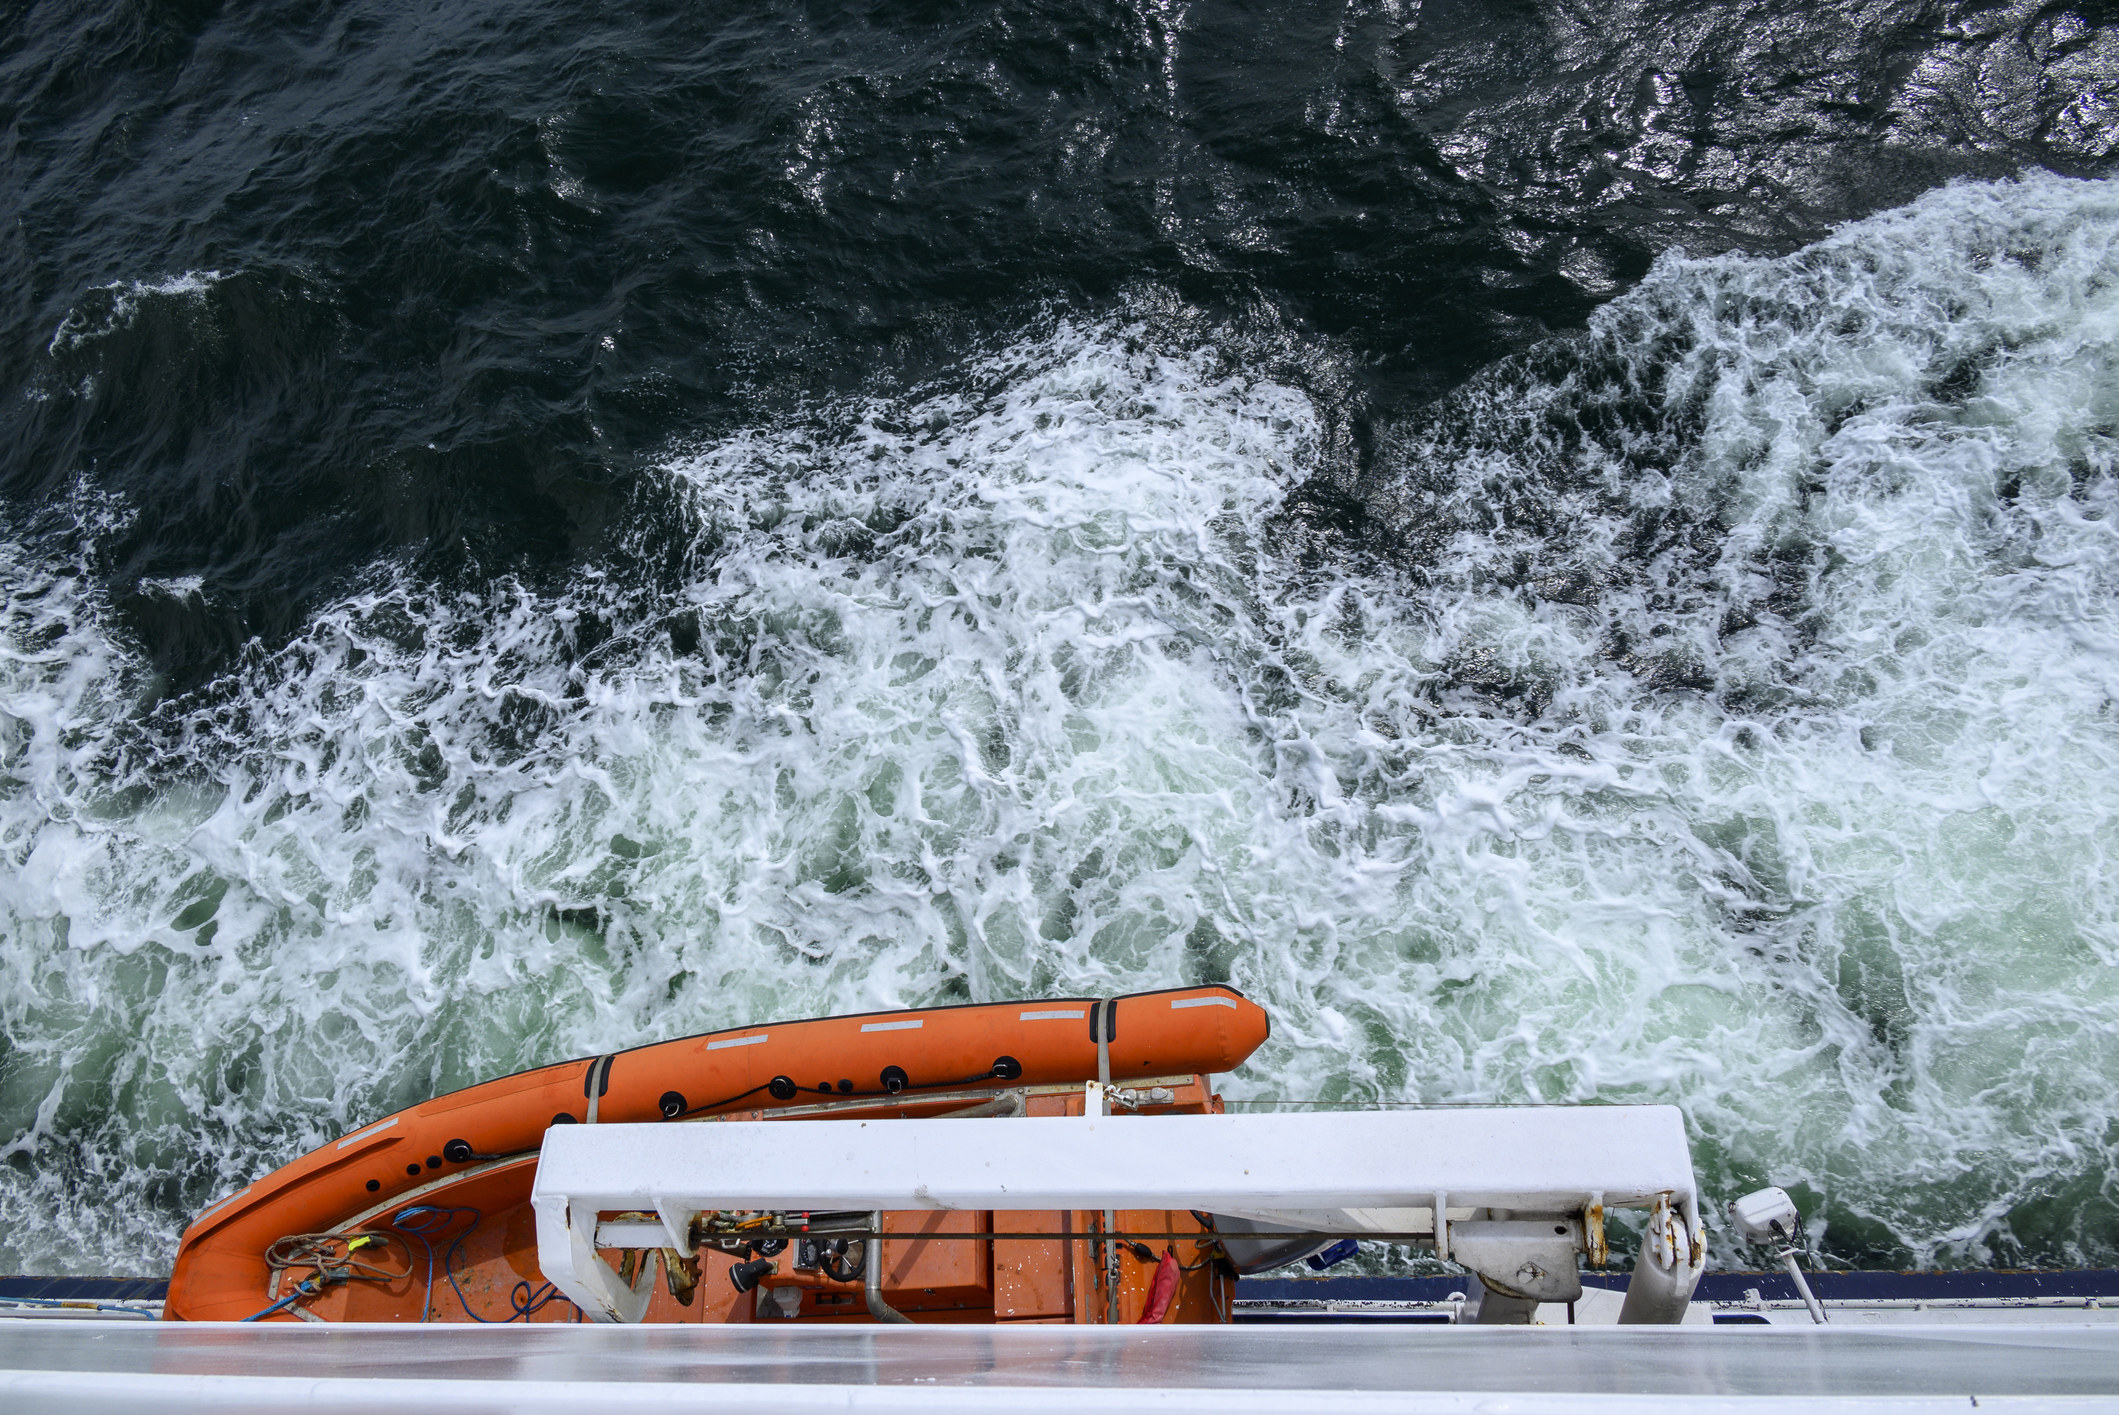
1729	721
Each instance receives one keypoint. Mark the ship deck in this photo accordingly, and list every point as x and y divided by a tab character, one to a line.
87	1366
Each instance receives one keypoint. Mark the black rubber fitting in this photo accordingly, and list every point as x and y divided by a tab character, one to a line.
672	1105
895	1079
780	1088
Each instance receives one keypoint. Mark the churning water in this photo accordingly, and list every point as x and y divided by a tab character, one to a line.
1718	704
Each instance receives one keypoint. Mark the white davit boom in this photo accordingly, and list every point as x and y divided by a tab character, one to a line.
1343	1172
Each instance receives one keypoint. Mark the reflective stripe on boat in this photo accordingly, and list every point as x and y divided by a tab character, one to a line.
1051	1016
371	1130
212	1209
913	1025
1201	1002
738	1042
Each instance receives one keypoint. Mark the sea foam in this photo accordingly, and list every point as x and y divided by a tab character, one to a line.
1730	725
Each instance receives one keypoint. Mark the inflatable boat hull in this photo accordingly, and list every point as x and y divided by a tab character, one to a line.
221	1272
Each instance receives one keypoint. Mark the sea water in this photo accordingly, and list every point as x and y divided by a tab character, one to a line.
1715	707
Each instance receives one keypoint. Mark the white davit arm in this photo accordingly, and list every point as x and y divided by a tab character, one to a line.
1554	1170
566	1251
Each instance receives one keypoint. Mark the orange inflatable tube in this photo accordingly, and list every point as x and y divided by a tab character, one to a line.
221	1273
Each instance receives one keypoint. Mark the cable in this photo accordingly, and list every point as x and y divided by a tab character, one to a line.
403	1222
523	1300
988	1075
302	1289
448	1266
716	1105
331	1255
527	1300
1208	1252
1795	1245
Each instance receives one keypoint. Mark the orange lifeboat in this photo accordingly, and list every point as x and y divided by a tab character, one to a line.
424	1215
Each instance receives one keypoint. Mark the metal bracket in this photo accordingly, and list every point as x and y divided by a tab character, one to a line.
566	1251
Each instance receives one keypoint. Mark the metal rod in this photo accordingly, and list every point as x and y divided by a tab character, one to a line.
1111	1265
1802	1285
1008	1103
877	1308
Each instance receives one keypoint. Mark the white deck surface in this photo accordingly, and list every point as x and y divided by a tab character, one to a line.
130	1367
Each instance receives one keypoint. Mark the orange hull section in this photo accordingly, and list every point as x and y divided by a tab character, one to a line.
221	1273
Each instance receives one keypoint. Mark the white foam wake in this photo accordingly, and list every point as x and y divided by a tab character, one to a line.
115	305
1738	732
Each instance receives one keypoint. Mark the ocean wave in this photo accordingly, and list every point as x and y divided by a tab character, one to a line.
1732	725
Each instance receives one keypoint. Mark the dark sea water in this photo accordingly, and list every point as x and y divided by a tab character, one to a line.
1568	550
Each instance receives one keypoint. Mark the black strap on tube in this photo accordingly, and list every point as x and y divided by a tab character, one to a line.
597	1081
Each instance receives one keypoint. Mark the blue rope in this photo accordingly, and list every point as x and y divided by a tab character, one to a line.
526	1299
431	1220
425	1222
448	1267
301	1290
